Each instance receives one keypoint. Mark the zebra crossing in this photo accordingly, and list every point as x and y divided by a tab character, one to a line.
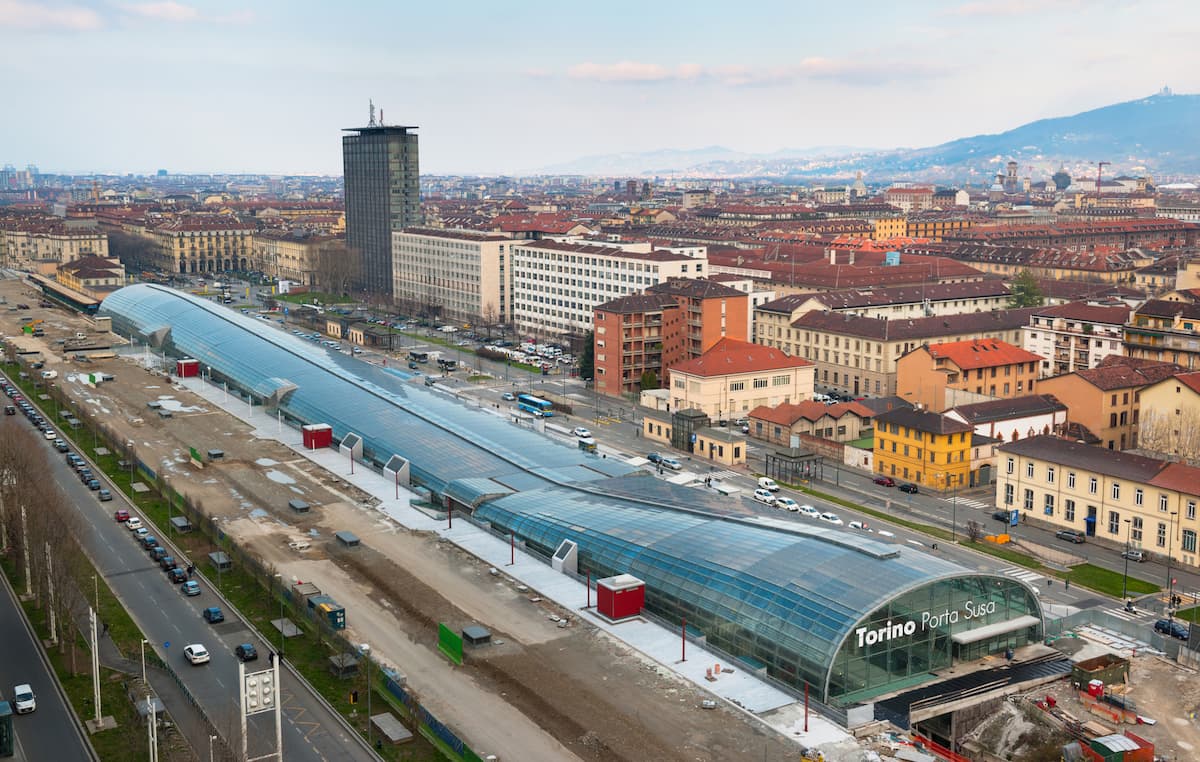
969	502
1137	615
1023	574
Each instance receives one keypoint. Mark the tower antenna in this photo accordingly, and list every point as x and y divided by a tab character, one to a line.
372	104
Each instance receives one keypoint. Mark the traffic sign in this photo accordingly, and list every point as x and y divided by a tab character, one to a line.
166	644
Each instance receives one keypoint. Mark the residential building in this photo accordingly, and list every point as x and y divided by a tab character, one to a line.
923	447
1185	211
631	339
466	274
843	422
557	285
758	295
94	276
1010	260
1104	400
1075	335
382	176
939	376
198	243
25	241
1117	235
858	356
735	377
291	255
1110	496
1170	420
1167	331
711	312
1008	420
909	200
935	226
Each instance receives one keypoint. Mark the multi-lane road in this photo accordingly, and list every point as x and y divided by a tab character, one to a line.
171	621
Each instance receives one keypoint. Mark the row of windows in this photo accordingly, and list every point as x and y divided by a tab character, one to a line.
1136	524
1139	494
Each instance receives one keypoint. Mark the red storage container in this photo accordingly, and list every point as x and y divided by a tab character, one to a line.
317	435
1096	688
621	596
187	368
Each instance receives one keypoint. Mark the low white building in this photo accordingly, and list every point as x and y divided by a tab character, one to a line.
1075	336
1008	420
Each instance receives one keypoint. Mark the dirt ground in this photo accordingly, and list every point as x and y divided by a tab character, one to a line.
589	695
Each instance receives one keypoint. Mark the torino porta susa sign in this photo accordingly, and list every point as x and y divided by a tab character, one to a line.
869	636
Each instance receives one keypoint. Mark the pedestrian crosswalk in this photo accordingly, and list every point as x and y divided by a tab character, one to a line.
969	503
1023	574
1137	615
720	476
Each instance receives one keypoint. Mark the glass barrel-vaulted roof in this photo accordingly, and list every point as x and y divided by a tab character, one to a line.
797	592
442	438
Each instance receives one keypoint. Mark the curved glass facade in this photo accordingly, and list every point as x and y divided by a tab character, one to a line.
794	599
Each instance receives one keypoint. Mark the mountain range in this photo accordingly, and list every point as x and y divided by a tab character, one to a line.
1157	135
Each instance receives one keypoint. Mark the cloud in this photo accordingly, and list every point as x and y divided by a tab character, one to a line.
1009	7
18	15
845	71
166	10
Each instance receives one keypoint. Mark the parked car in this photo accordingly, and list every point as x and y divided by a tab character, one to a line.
909	488
764	496
133	523
121	515
831	518
157	553
213	614
1173	628
60	445
654	458
195	654
581	432
176	576
191	587
104	495
148	541
809	511
787	504
508	397
1070	535
167	561
93	484
767	483
860	525
1134	555
1004	516
885	481
671	463
246	652
23	699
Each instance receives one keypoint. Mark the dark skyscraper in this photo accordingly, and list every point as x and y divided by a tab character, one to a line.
382	195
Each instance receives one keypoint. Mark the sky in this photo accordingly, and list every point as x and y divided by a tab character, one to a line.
266	86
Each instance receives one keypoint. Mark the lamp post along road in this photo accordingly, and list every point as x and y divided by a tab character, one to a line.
1170	582
1125	581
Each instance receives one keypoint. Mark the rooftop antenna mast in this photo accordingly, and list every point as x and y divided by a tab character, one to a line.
372	122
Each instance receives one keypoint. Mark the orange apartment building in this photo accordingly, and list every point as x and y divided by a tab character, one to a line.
670	323
940	376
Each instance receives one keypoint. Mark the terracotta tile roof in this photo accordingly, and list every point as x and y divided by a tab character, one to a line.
1088	313
917	328
1190	380
1121	374
787	414
875	297
1121	465
982	353
922	420
1163	308
732	356
1179	477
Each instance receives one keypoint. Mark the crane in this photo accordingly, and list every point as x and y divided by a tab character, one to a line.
1099	169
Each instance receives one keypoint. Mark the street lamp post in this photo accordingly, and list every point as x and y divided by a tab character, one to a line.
144	642
1125	581
1170	582
281	634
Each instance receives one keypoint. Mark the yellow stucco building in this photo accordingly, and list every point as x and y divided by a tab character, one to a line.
924	448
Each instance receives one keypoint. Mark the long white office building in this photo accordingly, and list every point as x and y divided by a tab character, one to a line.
464	272
557	285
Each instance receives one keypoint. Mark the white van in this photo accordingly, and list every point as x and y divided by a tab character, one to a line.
767	483
49	374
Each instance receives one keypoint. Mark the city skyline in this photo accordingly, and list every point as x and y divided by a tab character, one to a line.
222	87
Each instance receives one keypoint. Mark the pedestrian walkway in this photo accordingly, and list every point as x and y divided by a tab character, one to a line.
969	502
1137	615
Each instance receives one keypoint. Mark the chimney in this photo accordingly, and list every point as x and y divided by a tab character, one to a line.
832	255
852	256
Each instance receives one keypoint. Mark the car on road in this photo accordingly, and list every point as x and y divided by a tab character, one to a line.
654	458
176	576
246	652
93	484
166	562
121	515
148	541
157	553
141	532
60	445
581	432
1172	628
1004	516
23	699
860	525
413	366
104	495
809	511
672	464
787	504
195	654
191	587
1134	555
1070	535
831	518
885	481
764	496
213	614
909	488
767	483
508	397
50	434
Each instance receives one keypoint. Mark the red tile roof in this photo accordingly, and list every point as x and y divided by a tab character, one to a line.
732	356
982	353
787	413
1121	374
1178	477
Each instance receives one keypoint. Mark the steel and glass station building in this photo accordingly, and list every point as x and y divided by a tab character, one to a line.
849	616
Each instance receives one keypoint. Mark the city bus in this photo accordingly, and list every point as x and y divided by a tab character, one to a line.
418	356
535	405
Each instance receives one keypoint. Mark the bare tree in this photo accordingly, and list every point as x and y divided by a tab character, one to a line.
134	251
974	530
489	318
337	266
1172	433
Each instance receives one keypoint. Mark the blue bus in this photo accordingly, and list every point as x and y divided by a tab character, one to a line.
535	405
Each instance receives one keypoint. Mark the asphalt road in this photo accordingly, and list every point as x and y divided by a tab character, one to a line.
50	732
166	616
